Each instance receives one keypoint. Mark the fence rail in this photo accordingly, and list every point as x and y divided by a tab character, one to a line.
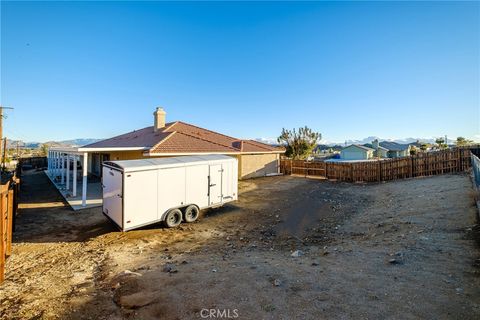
423	164
8	208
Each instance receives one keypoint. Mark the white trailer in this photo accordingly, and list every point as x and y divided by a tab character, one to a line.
146	191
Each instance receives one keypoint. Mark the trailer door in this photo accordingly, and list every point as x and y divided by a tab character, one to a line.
215	185
140	198
112	182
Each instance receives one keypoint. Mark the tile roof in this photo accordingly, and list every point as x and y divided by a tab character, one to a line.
181	137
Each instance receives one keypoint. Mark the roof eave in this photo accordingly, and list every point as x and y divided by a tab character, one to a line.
156	154
100	149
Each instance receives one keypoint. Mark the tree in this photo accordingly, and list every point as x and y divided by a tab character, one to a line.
441	143
413	150
299	144
44	150
461	141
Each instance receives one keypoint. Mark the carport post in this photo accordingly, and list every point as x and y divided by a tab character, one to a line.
84	180
68	172
55	163
50	162
62	167
74	186
58	163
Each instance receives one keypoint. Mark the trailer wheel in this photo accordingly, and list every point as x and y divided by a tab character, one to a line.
173	218
191	213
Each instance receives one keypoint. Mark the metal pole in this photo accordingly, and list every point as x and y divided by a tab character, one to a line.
62	168
68	172
84	179
74	188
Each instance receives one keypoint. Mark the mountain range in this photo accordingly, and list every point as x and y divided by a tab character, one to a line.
64	143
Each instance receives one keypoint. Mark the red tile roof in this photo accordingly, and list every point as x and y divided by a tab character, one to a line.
181	137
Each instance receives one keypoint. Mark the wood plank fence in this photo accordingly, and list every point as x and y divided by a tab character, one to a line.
8	209
33	162
422	164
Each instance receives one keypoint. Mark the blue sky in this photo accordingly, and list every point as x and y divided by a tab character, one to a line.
347	70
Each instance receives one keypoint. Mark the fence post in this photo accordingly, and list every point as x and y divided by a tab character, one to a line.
411	168
8	250
2	237
379	170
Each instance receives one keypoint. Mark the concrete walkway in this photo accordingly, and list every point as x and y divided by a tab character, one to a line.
94	194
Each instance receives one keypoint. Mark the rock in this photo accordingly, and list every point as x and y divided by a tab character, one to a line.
315	264
170	268
214	270
393	261
277	283
297	253
137	300
125	274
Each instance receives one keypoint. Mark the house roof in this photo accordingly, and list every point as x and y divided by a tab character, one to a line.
183	138
393	146
364	148
369	145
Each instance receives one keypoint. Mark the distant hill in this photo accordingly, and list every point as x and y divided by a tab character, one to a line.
79	142
65	143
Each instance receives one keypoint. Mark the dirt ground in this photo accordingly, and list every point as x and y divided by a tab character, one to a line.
400	250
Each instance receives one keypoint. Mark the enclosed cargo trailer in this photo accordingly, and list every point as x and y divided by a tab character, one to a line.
140	192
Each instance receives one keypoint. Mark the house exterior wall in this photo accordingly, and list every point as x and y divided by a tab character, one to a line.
398	154
383	153
354	153
257	165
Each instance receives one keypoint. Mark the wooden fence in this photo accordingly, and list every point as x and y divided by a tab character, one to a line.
423	164
33	162
8	208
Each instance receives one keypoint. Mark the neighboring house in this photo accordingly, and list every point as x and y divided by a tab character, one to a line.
380	152
356	152
396	150
177	138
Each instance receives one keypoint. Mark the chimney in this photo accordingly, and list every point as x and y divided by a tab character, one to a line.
159	119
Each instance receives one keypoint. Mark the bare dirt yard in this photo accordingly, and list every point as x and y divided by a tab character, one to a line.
290	248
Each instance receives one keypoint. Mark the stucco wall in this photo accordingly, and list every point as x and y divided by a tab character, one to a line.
257	165
126	155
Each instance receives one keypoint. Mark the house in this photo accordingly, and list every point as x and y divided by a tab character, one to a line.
356	152
380	152
396	150
165	139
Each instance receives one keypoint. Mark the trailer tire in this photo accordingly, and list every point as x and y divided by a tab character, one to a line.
191	213
173	218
